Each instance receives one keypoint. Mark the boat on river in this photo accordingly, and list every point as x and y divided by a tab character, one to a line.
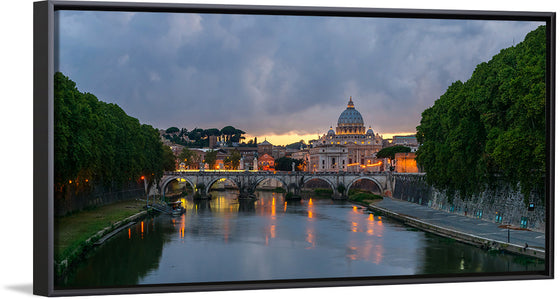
176	208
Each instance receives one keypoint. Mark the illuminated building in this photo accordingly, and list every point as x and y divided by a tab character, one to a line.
328	158
266	162
405	162
355	147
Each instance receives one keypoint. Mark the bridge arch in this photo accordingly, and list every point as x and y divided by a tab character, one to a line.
376	182
170	179
261	179
216	179
333	187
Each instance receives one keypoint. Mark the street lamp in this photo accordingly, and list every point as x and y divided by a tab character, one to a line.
145	189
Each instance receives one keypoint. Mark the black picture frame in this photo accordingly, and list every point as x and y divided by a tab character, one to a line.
43	228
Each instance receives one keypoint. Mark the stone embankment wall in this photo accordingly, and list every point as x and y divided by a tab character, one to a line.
501	205
72	198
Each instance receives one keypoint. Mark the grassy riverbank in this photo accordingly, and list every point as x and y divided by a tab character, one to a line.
72	231
363	197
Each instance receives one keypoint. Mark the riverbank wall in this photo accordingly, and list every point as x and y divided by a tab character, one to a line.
479	241
501	205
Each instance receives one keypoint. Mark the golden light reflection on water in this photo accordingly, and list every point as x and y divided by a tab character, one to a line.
310	208
310	238
182	226
273	208
363	242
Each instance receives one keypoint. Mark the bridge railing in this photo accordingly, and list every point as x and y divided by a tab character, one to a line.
272	172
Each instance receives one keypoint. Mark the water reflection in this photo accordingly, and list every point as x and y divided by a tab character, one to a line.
121	261
230	240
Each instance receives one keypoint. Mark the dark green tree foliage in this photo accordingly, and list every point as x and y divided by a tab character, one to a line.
168	158
172	130
99	142
232	161
389	152
210	158
285	163
491	126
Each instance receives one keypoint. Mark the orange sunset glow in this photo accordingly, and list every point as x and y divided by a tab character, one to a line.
290	137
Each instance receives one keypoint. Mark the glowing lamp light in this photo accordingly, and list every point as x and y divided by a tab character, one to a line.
142	177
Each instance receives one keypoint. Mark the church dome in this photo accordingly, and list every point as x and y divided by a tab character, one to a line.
350	116
331	132
350	121
369	131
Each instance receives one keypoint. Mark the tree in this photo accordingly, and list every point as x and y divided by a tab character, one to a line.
232	161
389	152
189	158
212	132
210	158
285	163
492	126
172	130
168	159
99	143
228	131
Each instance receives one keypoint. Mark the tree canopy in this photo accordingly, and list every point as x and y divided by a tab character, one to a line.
198	138
232	161
172	130
210	158
389	152
285	163
98	142
492	126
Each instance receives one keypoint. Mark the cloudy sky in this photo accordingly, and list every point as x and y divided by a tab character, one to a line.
273	75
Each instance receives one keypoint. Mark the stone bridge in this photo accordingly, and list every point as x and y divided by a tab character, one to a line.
292	181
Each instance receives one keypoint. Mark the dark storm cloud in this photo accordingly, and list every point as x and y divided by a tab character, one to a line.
273	74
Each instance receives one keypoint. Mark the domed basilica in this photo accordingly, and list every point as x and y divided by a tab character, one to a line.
347	148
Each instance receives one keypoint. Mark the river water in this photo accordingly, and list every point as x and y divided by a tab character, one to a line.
222	240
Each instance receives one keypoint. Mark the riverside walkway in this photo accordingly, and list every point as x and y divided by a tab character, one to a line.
467	229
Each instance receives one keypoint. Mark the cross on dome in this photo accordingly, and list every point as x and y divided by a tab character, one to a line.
350	103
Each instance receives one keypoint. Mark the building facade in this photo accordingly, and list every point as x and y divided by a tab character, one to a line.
406	163
349	147
329	157
266	162
406	140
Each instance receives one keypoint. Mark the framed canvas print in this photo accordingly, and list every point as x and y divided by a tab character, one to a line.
191	147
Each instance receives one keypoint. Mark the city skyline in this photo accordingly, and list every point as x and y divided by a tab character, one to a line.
275	77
